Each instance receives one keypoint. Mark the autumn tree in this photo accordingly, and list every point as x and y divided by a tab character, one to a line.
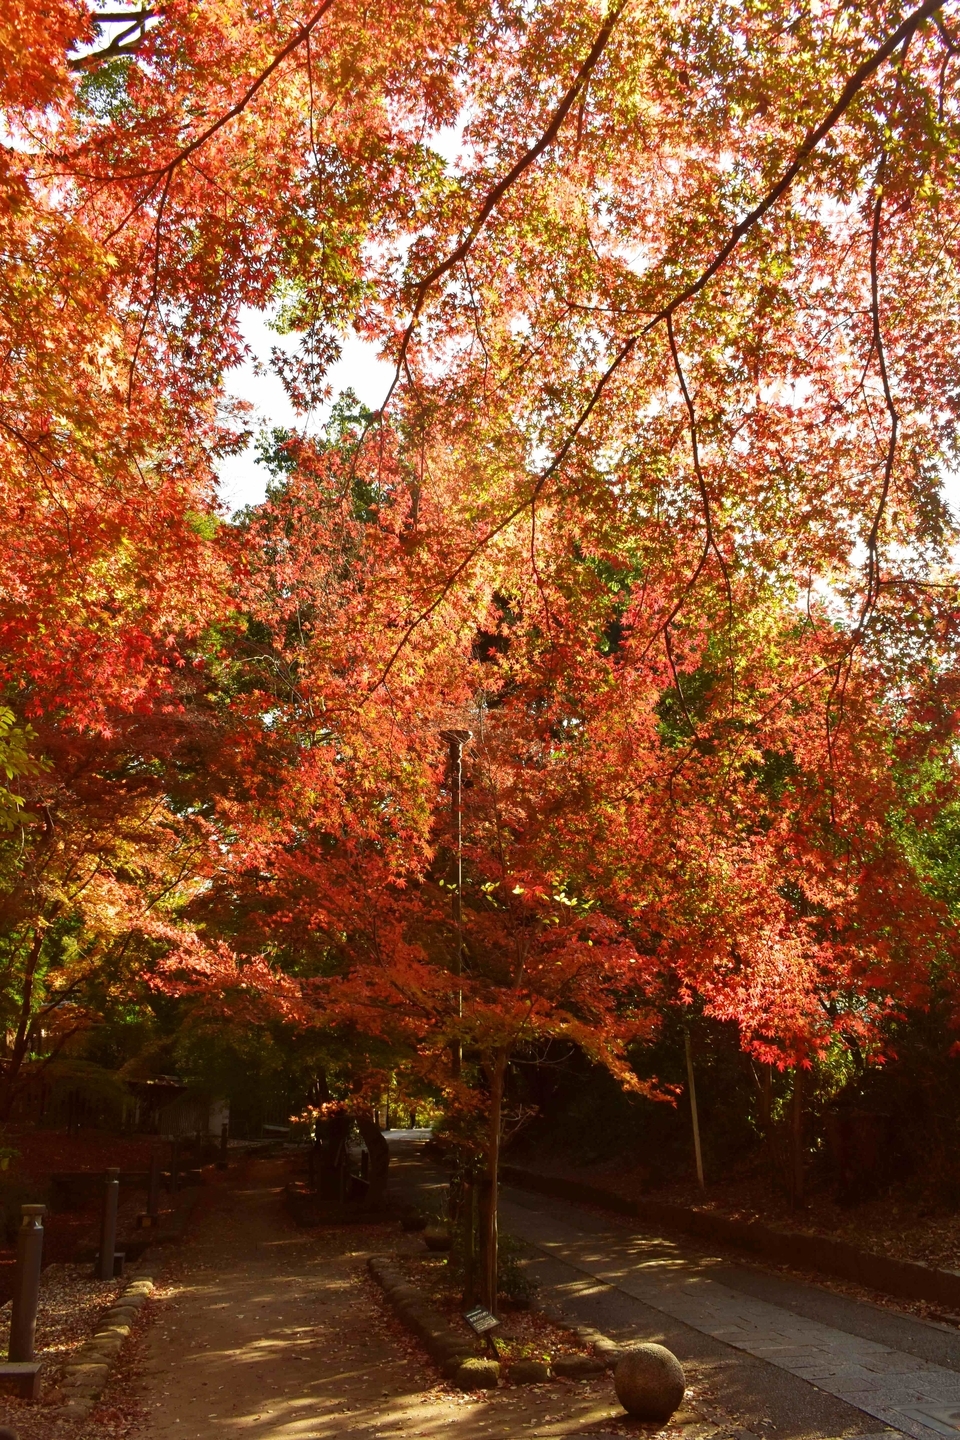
659	480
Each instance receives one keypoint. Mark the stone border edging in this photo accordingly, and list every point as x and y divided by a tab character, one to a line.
602	1346
86	1375
909	1279
446	1348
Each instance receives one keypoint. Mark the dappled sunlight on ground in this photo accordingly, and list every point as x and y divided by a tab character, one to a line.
270	1333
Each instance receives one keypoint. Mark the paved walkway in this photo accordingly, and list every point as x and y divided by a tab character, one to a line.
897	1384
274	1333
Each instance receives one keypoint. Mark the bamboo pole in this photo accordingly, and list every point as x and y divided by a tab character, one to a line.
693	1109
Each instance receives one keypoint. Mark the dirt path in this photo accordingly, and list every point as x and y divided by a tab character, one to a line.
275	1333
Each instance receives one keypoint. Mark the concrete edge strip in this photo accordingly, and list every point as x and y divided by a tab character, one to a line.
448	1350
824	1255
87	1373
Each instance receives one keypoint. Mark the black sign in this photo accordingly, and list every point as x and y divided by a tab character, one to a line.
480	1320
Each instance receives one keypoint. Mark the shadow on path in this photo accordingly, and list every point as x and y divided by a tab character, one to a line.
275	1333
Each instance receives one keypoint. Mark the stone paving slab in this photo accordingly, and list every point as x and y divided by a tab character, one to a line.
903	1392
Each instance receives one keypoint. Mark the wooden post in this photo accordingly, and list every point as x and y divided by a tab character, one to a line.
796	1186
26	1283
153	1185
693	1108
108	1225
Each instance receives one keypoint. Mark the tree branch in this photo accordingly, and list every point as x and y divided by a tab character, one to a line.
518	510
843	102
158	172
495	195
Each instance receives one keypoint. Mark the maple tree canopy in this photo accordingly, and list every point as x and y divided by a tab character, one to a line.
653	506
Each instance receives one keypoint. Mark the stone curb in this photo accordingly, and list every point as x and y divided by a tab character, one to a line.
908	1279
87	1373
605	1349
446	1349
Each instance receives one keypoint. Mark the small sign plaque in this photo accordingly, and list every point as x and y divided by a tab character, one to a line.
480	1320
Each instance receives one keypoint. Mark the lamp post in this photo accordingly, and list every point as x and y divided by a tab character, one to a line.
456	739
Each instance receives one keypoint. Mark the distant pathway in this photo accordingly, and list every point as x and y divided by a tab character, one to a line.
267	1333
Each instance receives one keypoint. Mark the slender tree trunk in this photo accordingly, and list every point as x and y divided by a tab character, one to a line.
468	1222
8	1087
766	1099
488	1220
764	1082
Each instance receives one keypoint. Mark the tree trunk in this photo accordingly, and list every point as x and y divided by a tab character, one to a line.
8	1085
764	1083
488	1219
468	1222
379	1152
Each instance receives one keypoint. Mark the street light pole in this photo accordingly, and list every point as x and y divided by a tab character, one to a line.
456	739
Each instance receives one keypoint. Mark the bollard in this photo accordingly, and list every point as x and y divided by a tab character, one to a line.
224	1137
108	1225
153	1185
174	1165
26	1283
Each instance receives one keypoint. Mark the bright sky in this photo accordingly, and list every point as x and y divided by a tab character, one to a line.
242	480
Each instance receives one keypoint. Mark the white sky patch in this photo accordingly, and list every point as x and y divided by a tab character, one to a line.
448	143
242	480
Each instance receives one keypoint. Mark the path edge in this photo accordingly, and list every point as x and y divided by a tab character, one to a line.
907	1279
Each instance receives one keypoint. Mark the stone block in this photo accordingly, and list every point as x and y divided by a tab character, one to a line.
111	1335
577	1367
529	1372
478	1373
451	1365
607	1351
88	1372
21	1377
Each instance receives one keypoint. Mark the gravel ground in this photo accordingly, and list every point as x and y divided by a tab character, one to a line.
71	1303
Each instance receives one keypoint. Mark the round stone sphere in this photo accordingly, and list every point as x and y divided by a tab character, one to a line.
649	1382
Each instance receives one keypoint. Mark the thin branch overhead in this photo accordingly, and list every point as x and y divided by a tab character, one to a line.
928	10
125	42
